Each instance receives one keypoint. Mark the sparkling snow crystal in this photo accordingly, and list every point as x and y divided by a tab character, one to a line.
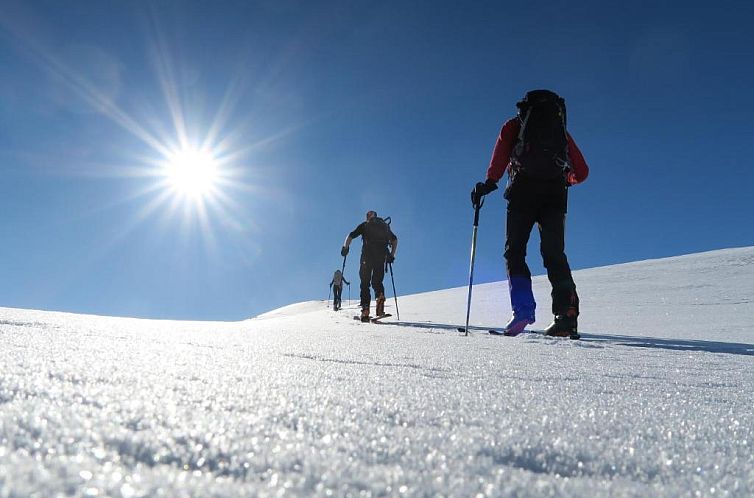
656	400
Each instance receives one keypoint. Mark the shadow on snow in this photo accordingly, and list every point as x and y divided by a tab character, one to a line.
737	348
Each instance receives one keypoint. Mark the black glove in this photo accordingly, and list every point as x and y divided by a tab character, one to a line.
390	258
480	190
344	251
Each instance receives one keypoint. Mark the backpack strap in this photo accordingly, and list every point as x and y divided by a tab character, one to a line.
518	148
522	128
564	162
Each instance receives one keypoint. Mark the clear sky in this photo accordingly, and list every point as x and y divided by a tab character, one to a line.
313	113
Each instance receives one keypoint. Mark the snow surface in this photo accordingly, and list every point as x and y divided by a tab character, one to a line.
656	400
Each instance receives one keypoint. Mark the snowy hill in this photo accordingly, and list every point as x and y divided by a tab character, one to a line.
656	400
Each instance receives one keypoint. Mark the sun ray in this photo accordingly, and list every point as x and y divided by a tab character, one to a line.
82	87
152	206
231	97
162	63
207	229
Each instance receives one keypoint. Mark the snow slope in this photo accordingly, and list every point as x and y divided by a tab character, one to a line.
655	401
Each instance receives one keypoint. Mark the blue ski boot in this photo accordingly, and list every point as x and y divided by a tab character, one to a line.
517	324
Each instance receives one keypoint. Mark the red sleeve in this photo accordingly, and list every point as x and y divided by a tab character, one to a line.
579	170
501	154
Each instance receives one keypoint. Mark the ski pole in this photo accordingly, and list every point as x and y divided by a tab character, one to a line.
477	207
328	296
349	295
397	313
342	270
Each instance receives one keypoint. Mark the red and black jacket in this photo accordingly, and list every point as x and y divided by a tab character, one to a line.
501	155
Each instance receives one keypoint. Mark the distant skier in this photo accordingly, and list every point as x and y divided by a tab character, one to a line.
337	288
542	160
376	237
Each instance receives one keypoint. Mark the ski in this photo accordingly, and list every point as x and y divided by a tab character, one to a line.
373	319
462	330
538	332
502	333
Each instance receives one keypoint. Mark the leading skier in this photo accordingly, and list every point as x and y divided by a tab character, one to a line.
543	161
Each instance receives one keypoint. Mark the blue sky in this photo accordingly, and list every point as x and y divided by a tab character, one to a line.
320	111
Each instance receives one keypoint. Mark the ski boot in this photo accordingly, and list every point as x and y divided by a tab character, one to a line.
564	325
365	314
517	324
380	309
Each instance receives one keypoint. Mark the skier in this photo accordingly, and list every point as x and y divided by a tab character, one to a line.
376	236
337	286
542	160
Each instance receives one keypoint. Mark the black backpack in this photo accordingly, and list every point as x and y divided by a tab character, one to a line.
377	232
541	149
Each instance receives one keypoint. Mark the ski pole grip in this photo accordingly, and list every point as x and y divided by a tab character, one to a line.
476	212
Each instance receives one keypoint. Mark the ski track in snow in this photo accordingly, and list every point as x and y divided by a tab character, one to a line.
655	401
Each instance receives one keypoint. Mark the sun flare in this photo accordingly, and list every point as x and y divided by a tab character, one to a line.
192	172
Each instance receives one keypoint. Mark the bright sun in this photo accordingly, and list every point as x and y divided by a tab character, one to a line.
192	172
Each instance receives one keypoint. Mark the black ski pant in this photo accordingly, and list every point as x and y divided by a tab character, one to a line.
371	271
337	290
544	203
